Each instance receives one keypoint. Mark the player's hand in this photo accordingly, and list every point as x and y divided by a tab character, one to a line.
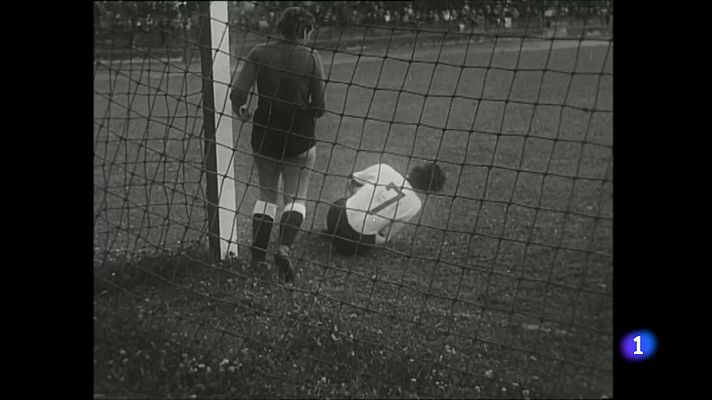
243	113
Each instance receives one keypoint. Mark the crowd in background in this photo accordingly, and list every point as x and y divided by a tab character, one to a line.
170	17
461	14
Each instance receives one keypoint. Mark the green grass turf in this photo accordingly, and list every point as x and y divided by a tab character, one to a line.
501	288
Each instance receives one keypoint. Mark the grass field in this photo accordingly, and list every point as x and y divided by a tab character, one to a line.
502	288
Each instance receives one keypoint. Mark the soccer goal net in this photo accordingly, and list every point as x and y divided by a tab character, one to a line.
500	287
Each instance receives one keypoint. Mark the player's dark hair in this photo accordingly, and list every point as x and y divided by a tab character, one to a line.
294	21
428	178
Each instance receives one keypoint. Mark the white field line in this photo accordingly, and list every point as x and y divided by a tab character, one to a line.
340	58
421	55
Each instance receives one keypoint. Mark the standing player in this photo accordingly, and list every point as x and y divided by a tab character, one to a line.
380	203
290	82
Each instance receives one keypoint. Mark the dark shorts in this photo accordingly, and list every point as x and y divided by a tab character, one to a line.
282	134
346	240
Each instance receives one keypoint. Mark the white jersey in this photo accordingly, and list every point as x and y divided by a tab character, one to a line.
385	197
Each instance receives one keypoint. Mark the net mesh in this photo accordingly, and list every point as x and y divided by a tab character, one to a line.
502	285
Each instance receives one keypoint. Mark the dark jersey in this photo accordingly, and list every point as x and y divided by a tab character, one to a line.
290	84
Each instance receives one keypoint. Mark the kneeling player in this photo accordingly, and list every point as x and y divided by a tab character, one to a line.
379	203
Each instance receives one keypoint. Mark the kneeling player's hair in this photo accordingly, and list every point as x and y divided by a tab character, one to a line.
293	22
428	177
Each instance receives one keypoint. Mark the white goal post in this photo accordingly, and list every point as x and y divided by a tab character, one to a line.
214	45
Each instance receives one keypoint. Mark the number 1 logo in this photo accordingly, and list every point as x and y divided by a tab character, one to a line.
637	346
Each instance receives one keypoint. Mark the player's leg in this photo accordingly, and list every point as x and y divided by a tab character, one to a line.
296	173
366	243
345	239
265	210
333	217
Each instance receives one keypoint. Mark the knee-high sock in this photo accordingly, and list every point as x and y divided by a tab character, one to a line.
290	222
262	221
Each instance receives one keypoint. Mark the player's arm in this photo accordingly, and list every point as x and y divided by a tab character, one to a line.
357	179
241	89
368	175
318	102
